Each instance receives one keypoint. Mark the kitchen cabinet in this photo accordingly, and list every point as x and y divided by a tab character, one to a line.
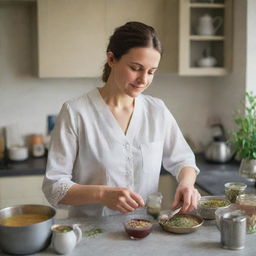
24	190
73	35
71	38
21	190
196	44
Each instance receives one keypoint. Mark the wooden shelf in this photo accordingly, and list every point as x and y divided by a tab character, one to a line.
192	46
206	5
206	38
200	71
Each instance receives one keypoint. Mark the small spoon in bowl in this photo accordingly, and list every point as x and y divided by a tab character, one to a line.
165	217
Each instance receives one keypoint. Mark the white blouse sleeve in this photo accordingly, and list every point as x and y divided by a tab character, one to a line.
177	153
61	157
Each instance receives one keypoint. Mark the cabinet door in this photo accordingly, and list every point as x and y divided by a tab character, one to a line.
71	38
146	11
24	190
21	190
151	12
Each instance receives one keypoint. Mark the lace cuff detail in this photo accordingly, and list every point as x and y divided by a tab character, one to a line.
59	192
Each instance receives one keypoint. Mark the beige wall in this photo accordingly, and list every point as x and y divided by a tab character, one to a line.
27	100
251	47
228	91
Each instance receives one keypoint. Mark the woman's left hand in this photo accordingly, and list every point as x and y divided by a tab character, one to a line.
188	195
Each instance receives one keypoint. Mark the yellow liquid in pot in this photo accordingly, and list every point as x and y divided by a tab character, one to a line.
23	219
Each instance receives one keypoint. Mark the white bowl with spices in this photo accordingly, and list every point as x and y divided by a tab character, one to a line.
207	205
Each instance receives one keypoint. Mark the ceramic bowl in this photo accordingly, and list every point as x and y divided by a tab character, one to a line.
182	230
138	225
207	205
18	153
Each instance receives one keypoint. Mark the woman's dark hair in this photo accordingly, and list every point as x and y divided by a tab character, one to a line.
131	35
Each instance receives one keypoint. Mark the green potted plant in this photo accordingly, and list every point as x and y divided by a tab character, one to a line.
244	138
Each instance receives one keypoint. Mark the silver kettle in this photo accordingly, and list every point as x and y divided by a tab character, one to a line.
218	152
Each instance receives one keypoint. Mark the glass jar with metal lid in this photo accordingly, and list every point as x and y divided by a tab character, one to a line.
247	203
233	189
153	204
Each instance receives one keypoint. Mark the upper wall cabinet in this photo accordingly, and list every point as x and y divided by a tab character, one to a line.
205	37
73	35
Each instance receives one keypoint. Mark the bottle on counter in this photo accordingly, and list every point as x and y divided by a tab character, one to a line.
51	119
38	149
153	204
2	146
234	189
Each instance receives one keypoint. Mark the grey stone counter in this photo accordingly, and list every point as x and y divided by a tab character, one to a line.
115	242
213	176
31	166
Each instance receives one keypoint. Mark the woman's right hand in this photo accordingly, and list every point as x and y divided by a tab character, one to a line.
121	199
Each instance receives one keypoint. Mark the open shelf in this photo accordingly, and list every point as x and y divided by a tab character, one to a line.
206	38
205	33
206	5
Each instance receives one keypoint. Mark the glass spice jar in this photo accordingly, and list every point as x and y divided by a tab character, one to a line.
153	204
233	189
247	203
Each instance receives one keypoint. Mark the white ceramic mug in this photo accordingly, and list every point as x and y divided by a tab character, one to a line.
65	237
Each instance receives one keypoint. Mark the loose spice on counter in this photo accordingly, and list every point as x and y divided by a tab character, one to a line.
93	232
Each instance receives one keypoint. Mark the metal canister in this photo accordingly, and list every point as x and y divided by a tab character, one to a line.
233	231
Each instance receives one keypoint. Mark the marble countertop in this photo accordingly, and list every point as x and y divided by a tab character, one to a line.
115	242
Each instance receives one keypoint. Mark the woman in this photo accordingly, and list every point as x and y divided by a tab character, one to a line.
108	145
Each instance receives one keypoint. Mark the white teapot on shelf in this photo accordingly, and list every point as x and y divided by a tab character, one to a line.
207	60
207	25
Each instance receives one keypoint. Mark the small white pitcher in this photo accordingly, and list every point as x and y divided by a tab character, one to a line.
65	237
208	25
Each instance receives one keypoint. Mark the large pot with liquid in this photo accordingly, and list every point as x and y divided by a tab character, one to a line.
25	229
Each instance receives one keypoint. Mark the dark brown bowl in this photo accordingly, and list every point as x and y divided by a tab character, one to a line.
138	232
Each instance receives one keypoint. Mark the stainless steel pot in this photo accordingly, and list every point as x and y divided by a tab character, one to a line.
219	152
26	239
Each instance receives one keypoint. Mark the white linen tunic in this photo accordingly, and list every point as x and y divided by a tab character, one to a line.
89	147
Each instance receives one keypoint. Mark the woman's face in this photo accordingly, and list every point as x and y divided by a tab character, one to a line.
134	71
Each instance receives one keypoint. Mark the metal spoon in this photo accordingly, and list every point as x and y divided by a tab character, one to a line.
164	218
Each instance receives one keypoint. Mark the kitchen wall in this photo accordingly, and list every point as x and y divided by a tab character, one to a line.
27	100
228	91
251	46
